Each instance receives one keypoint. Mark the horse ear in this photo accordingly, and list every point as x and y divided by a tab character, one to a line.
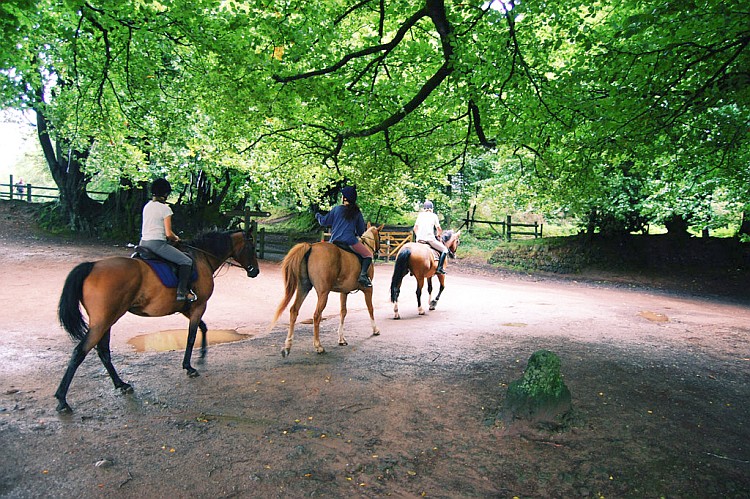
381	227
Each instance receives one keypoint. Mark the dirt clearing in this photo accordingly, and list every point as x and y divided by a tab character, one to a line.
659	384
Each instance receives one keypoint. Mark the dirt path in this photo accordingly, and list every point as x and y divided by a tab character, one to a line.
659	385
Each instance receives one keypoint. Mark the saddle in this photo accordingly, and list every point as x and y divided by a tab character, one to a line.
165	270
346	247
435	253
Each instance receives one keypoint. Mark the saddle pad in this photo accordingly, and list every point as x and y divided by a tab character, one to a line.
435	253
167	273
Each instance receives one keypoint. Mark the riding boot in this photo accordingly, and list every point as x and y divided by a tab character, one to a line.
183	276
364	279
441	262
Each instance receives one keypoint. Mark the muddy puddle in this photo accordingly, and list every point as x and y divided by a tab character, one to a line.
175	339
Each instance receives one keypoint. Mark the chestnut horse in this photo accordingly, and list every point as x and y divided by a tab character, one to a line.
325	267
420	260
109	288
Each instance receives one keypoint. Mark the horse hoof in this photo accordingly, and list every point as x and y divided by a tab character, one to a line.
432	307
193	373
64	408
320	350
126	388
341	344
285	352
376	333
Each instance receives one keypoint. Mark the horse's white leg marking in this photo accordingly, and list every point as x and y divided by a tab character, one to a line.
342	316
368	301
317	316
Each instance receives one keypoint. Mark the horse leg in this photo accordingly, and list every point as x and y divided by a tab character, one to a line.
75	360
102	349
420	283
192	332
342	316
79	353
441	280
293	314
204	341
317	316
429	294
368	301
395	310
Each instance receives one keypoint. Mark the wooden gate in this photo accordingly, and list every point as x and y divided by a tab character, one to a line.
391	241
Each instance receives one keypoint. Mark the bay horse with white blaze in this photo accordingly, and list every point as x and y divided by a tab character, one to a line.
109	288
325	267
421	261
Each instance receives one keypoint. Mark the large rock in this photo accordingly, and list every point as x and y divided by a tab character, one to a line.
540	396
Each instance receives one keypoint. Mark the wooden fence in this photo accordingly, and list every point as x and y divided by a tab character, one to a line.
508	228
392	239
34	193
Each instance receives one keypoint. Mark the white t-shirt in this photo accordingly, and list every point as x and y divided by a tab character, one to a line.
154	214
425	225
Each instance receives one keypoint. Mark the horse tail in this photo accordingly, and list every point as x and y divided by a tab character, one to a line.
399	271
291	269
69	308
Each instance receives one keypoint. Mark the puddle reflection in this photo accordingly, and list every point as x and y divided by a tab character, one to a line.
175	339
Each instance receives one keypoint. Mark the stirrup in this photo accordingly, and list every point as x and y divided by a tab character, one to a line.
189	296
365	281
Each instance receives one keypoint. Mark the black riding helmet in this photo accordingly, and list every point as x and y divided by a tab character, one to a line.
161	188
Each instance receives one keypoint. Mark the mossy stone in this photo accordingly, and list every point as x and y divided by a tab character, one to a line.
540	395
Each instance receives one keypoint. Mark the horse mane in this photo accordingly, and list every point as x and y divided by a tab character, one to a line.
447	234
215	242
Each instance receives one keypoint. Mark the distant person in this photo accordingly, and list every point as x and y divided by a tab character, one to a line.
347	224
156	231
19	186
427	229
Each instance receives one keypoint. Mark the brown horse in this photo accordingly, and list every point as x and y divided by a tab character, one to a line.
109	288
325	267
420	260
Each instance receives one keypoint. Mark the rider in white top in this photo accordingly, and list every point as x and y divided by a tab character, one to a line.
427	229
156	232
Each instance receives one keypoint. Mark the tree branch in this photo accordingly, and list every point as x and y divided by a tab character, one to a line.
385	47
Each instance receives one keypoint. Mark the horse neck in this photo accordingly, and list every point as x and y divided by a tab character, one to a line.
212	261
365	239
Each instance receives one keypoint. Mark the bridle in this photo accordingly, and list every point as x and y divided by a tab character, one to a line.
246	247
374	245
452	244
249	246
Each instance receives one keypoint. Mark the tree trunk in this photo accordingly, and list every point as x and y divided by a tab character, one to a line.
677	226
65	166
745	225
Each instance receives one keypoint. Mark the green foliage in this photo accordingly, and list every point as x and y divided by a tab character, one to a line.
621	115
541	378
541	393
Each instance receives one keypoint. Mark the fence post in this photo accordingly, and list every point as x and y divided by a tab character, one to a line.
28	193
261	243
536	227
508	235
10	188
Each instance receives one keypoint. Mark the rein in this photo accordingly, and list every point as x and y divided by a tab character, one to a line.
221	262
366	241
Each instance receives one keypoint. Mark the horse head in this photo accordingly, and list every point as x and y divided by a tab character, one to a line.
452	240
243	251
371	237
